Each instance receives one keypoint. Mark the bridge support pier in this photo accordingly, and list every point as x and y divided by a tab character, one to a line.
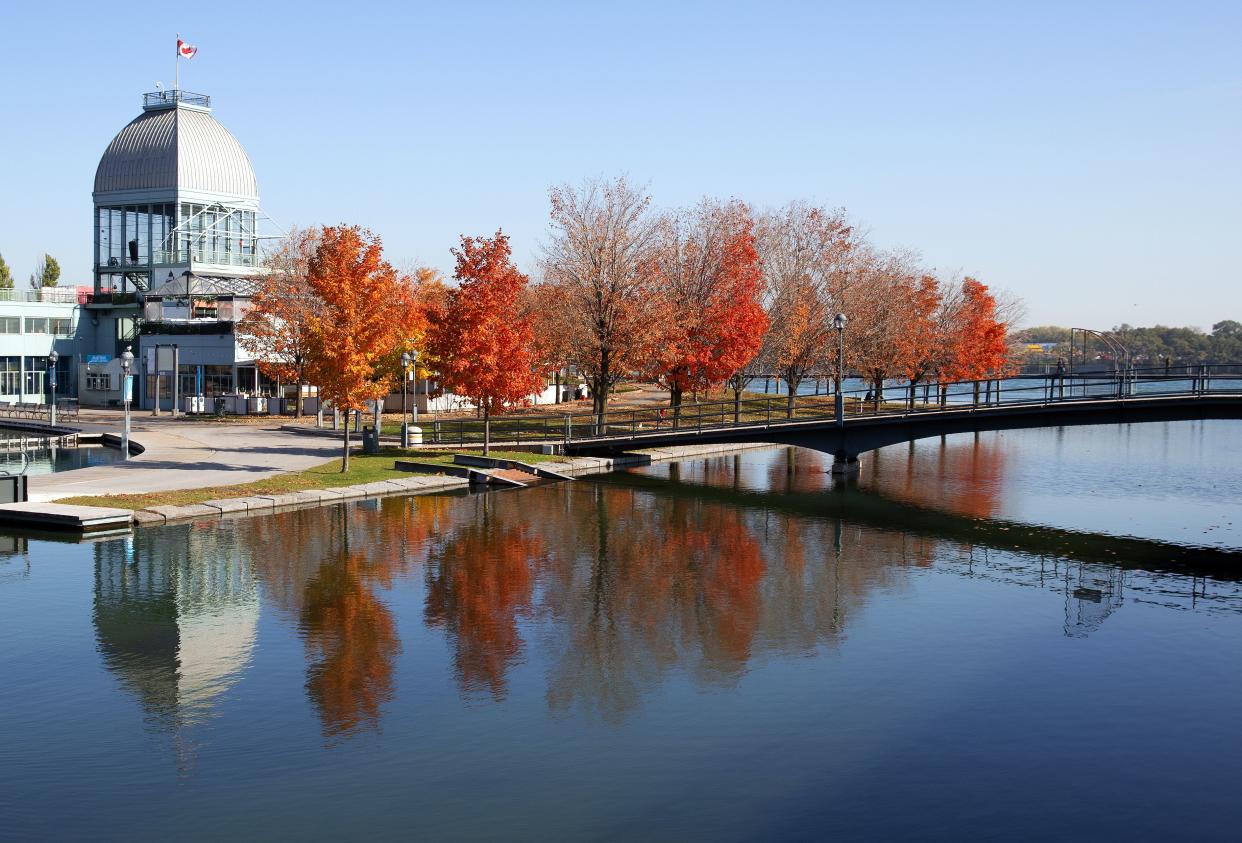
845	465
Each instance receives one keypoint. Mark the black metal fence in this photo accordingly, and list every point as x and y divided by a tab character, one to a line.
901	399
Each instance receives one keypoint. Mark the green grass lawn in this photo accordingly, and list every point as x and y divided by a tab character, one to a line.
362	469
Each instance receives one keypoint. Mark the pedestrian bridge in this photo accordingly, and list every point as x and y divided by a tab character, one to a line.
901	414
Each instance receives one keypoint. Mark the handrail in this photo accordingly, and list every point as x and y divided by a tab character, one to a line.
898	400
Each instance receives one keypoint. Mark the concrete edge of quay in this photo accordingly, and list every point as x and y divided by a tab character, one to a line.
266	504
248	505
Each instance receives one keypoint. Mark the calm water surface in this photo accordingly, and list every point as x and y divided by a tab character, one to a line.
48	460
995	636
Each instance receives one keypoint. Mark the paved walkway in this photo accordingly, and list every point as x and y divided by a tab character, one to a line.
186	455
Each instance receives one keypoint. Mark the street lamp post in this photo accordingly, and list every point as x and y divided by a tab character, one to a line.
51	373
838	399
127	360
406	359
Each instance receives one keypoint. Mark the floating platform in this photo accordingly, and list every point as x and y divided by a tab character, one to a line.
60	516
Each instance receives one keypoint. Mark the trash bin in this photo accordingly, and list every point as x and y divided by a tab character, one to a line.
370	439
220	405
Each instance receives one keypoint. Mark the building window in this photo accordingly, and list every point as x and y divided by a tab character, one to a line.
36	324
217	380
62	327
10	375
10	325
98	382
36	367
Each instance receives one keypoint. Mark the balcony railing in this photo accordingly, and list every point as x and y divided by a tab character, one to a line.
155	99
48	295
220	258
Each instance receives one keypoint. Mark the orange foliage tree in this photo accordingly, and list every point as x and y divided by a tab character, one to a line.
708	283
889	309
553	331
276	328
367	311
981	347
926	330
483	343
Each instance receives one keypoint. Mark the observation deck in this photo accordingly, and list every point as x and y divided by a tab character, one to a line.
157	100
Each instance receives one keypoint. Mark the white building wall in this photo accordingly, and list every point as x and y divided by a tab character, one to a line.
27	337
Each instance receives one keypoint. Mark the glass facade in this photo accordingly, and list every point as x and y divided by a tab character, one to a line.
133	240
134	235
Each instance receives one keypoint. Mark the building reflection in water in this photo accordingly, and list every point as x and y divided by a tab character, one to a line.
609	587
175	618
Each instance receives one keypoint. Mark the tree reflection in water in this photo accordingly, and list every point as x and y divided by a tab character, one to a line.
480	577
333	562
609	585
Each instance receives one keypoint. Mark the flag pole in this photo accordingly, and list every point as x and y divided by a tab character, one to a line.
177	83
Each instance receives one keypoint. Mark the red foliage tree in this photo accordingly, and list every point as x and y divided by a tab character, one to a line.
484	345
709	284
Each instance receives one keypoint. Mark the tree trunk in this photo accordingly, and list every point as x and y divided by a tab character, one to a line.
487	430
558	386
599	389
674	400
913	386
877	386
792	383
345	453
737	405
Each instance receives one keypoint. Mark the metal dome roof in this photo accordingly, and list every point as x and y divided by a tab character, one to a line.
176	148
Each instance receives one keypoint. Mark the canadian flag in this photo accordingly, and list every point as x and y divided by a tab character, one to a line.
186	50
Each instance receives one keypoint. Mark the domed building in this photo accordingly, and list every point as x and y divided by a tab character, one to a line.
176	254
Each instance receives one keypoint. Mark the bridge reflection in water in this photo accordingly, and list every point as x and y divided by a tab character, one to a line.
612	585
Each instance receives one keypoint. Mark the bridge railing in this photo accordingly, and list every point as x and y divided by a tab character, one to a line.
892	400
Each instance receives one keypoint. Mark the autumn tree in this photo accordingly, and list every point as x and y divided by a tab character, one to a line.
926	327
367	311
886	321
276	328
707	283
981	350
598	259
6	275
968	337
806	255
482	342
428	290
553	328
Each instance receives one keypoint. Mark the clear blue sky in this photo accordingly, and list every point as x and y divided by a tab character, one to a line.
1085	156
